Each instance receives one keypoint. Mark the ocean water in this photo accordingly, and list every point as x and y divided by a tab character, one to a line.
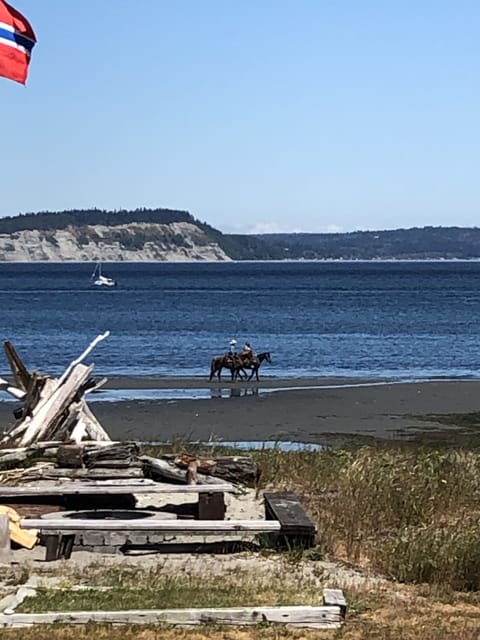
396	320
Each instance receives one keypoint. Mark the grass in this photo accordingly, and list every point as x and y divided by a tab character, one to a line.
394	508
129	588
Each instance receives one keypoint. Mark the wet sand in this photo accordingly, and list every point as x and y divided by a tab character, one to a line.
301	409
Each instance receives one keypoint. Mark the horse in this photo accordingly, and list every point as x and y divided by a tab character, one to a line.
251	363
225	362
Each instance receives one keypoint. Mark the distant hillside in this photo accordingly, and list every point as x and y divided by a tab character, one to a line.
175	235
427	243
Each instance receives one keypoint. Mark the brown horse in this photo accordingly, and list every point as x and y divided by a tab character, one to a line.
226	362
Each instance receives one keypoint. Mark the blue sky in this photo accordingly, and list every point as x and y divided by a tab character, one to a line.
286	115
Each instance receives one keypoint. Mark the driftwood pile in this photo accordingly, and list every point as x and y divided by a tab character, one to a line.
56	437
53	408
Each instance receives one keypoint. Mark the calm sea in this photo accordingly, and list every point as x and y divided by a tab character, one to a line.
400	320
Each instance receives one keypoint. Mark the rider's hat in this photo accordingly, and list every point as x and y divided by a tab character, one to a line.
233	341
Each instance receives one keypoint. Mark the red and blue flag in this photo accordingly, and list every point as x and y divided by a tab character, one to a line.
17	40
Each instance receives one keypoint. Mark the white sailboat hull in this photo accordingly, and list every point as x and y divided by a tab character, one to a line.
99	280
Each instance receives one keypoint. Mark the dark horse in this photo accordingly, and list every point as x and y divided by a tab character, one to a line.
253	364
238	368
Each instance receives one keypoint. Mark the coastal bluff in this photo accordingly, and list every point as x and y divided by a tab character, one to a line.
135	242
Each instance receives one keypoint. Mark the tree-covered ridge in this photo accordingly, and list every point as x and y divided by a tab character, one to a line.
426	243
50	220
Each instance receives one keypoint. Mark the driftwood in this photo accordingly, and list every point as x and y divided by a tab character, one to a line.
70	456
52	408
126	452
20	374
157	468
238	469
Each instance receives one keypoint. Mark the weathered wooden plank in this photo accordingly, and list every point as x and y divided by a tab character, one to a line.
297	528
322	617
150	524
108	488
211	506
286	507
81	474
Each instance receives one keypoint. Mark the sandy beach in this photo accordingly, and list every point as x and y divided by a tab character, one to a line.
301	409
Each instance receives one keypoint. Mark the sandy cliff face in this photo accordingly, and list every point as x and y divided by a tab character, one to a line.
139	242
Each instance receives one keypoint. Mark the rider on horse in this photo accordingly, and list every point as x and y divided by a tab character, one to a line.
247	354
232	353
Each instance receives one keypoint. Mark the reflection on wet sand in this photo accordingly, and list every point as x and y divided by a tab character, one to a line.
234	392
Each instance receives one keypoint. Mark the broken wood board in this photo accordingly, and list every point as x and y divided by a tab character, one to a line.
21	536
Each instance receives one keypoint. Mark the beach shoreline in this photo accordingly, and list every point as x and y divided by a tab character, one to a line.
309	410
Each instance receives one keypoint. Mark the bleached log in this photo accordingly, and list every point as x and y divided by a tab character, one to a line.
94	429
49	412
10	389
321	617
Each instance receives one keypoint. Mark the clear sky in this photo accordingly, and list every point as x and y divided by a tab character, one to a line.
254	115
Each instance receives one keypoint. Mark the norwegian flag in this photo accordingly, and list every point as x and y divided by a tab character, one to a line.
17	40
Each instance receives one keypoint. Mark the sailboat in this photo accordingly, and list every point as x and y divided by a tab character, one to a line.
99	280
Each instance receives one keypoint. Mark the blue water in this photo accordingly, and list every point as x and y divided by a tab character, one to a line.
399	320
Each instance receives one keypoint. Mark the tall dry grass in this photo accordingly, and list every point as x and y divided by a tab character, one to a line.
411	513
408	511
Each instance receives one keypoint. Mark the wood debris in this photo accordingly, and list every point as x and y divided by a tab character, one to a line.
53	408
